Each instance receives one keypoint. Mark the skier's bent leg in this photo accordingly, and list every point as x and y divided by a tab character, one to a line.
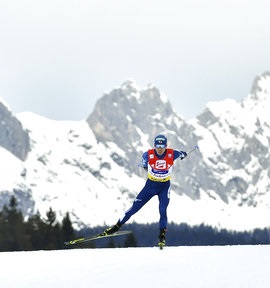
143	197
136	206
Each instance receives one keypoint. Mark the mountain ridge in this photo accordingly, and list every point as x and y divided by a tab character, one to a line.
91	166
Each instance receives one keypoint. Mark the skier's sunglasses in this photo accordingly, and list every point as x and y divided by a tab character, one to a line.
160	146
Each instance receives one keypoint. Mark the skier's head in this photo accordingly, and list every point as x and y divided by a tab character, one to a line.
160	141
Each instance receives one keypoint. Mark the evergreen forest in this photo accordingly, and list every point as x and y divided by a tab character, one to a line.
36	233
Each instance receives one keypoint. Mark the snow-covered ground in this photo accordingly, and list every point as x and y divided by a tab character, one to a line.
185	267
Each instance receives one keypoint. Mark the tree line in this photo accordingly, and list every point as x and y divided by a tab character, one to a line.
36	233
146	235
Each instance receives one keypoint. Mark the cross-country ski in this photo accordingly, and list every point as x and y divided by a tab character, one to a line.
95	237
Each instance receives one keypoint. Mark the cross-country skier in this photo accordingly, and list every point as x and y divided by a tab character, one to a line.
158	163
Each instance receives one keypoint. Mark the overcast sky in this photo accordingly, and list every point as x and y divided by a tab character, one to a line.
57	57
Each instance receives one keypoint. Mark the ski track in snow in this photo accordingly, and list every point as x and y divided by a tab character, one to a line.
188	267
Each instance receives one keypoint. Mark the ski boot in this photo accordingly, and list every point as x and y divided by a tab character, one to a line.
111	230
161	237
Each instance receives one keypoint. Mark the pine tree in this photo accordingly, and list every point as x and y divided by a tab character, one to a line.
67	229
51	218
36	229
52	233
13	228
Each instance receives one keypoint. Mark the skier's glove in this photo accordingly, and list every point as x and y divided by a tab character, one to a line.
184	155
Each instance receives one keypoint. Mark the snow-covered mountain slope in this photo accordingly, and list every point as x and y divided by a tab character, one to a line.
235	140
69	171
90	168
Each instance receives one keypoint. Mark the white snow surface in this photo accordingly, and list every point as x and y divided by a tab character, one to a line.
188	267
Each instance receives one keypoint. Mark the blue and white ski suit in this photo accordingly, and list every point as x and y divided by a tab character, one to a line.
158	183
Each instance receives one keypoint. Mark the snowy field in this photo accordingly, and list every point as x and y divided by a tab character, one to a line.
185	267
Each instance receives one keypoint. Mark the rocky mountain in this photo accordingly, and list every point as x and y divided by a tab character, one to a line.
90	168
234	138
12	136
237	156
130	117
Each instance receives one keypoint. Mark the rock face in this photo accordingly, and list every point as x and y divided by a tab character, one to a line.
12	135
131	117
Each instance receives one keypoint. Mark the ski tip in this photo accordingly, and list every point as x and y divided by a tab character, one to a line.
76	241
68	243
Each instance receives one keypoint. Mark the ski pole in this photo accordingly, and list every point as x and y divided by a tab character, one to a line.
195	148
